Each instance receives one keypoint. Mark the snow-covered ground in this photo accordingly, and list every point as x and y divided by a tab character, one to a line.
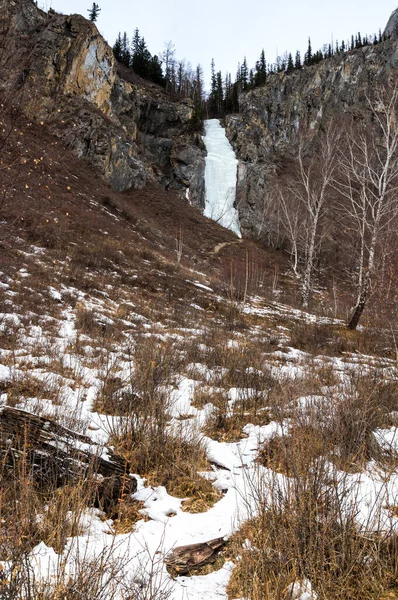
220	177
140	553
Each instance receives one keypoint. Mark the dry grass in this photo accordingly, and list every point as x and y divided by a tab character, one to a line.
234	367
168	457
332	340
30	514
339	426
306	530
26	386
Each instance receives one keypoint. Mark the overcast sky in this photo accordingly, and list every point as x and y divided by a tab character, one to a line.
228	30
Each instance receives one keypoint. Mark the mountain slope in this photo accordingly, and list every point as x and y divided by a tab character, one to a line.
136	333
272	117
68	78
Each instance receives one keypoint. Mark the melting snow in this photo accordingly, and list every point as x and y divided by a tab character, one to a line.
235	471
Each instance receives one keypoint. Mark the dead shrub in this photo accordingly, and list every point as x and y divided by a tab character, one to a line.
306	530
340	425
293	454
166	456
102	577
364	407
100	254
170	459
89	323
30	514
85	321
114	399
317	338
322	338
26	386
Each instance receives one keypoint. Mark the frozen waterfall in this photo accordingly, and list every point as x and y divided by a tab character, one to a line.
220	177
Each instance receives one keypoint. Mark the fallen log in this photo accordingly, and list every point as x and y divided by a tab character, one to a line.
183	560
54	455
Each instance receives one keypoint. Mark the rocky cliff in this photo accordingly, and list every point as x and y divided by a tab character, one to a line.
271	116
61	72
391	30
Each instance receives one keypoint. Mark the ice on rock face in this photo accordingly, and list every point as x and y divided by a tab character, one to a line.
220	177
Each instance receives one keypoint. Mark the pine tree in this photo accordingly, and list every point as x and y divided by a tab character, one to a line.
220	95
238	80
135	42
216	97
308	54
156	71
244	74
93	12
297	62
197	96
180	76
317	57
138	57
213	88
125	53
141	59
235	97
263	66
260	76
117	48
228	94
290	63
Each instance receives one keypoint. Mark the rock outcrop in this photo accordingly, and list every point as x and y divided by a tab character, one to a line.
391	30
271	116
68	79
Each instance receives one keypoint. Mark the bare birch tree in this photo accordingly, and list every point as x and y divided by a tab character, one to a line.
304	199
368	185
168	57
314	191
288	223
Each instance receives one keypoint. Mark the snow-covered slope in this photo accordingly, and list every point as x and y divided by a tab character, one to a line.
220	177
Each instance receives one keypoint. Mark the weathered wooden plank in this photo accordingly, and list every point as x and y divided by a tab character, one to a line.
186	559
56	455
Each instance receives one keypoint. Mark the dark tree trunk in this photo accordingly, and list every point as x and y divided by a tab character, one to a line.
356	315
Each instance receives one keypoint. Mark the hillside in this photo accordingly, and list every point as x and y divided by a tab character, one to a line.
172	424
66	76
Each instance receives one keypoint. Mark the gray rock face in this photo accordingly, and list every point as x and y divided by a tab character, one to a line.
130	132
189	170
272	116
391	30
